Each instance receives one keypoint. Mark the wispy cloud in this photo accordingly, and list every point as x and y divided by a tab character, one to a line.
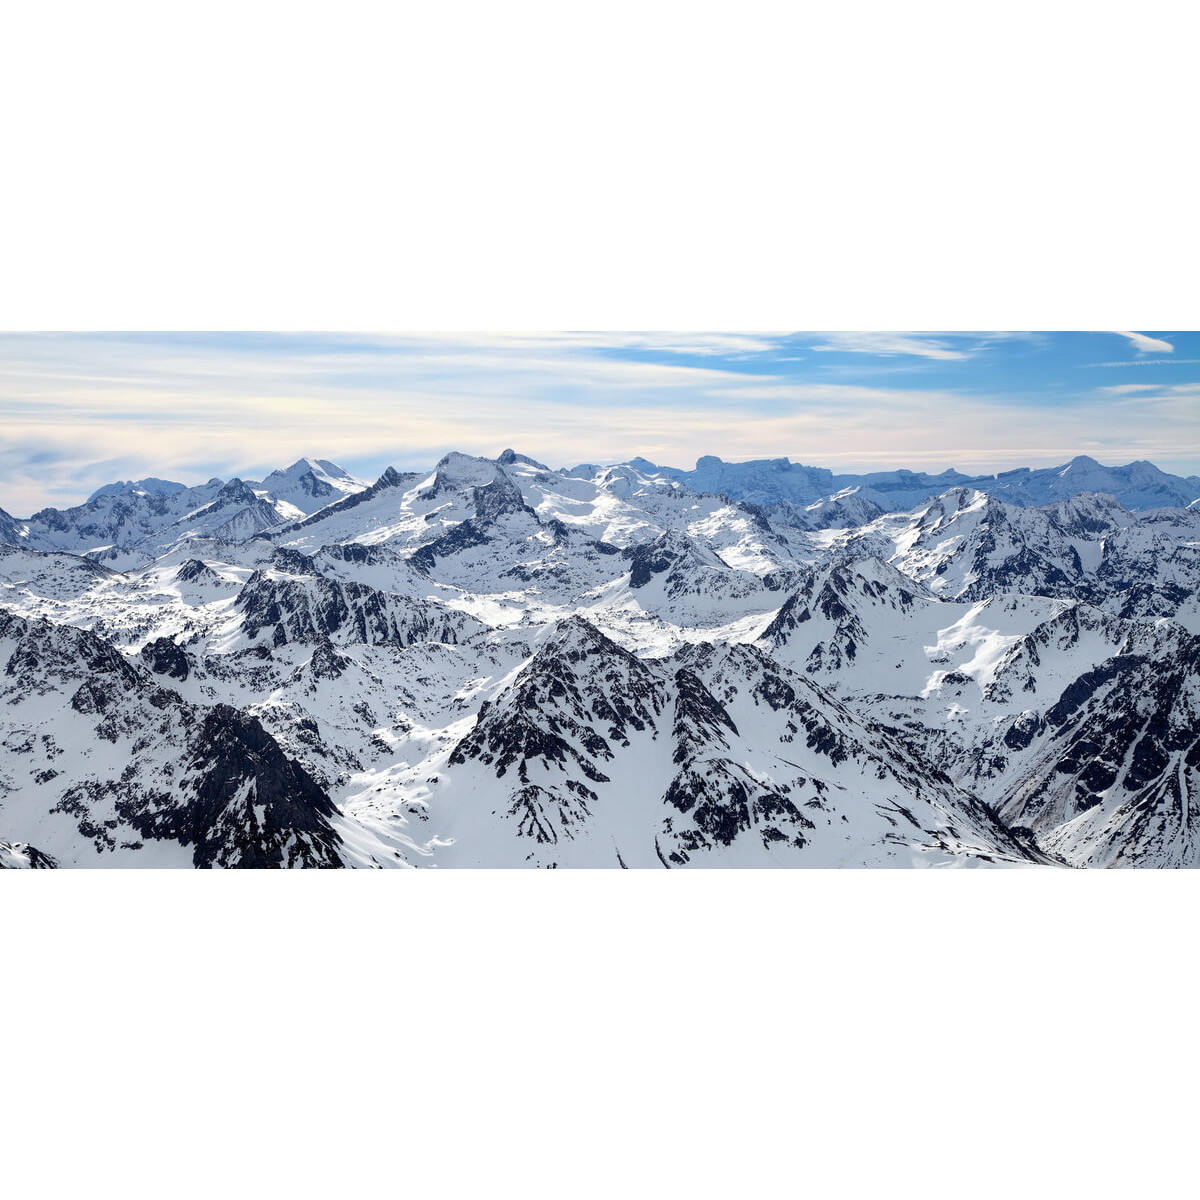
1145	344
947	347
1148	362
700	344
889	344
1166	390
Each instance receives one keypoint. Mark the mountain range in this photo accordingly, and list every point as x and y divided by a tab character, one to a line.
492	663
1137	485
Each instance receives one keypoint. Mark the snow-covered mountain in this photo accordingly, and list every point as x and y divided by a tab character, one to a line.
12	531
130	524
493	663
966	544
1137	485
308	485
135	487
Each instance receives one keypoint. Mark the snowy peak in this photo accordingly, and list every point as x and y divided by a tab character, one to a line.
1137	485
234	514
13	532
677	556
310	484
132	528
553	733
1089	514
846	509
760	481
308	607
576	638
967	544
510	458
357	514
714	754
684	576
132	523
136	487
314	466
954	504
234	492
839	609
462	472
463	486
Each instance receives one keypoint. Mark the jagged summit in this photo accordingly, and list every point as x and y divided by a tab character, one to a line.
303	466
308	485
511	457
576	635
12	531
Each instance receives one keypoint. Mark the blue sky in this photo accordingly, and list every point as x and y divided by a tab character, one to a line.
80	410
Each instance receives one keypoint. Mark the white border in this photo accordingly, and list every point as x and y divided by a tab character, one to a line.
534	166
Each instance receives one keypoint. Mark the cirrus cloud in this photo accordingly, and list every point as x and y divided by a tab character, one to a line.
1144	344
888	344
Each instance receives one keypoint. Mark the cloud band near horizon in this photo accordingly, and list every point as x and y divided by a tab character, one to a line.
81	410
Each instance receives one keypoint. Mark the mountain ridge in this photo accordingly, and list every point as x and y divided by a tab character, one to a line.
1137	485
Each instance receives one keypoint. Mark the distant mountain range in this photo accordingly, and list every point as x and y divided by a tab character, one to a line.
492	663
1138	485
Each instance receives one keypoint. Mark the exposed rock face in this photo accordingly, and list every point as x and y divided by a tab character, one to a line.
586	721
18	856
164	657
308	609
1115	763
248	804
115	762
